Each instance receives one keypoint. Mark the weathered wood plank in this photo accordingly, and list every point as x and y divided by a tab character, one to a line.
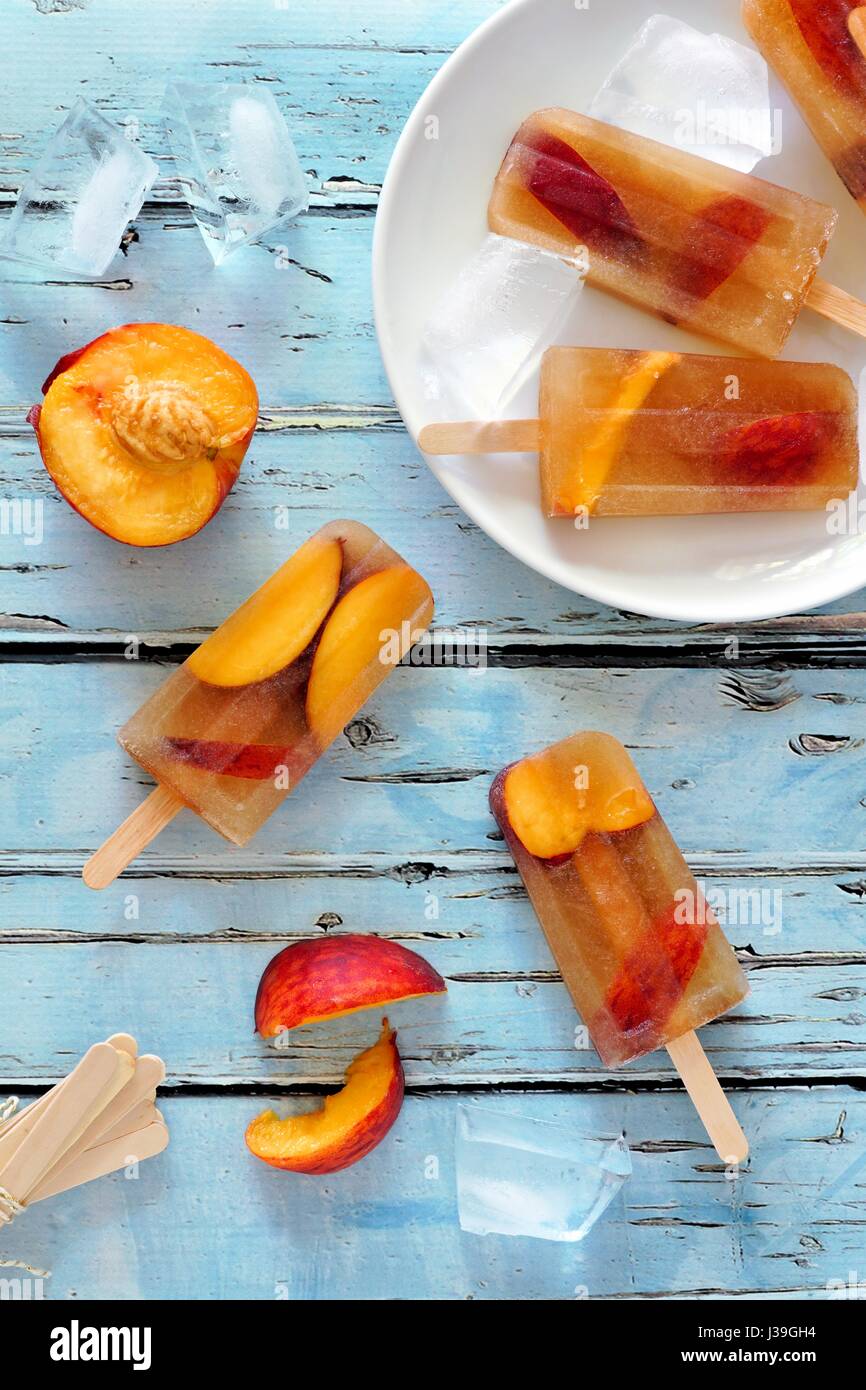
477	919
387	1228
802	1022
345	81
781	787
304	468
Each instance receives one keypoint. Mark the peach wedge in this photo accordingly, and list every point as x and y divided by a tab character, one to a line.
347	1127
144	430
553	799
370	630
333	975
279	621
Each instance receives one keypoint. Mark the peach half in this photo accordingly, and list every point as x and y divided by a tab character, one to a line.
330	976
144	430
347	1127
555	798
370	630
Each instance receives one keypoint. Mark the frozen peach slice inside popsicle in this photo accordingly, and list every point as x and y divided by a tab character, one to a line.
825	29
579	197
279	621
255	762
657	971
370	630
725	231
779	448
598	453
552	805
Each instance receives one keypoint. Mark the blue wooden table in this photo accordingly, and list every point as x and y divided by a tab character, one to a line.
757	762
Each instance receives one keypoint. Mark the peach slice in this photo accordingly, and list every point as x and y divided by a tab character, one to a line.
370	630
725	231
578	196
598	452
348	1126
144	430
330	976
279	621
256	762
588	782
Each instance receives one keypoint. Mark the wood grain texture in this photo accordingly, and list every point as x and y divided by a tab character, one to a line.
388	1227
754	754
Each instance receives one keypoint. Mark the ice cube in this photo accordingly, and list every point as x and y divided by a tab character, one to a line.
236	163
527	1177
486	334
703	93
75	205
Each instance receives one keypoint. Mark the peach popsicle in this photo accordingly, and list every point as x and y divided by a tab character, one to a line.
700	245
238	725
640	952
809	45
628	433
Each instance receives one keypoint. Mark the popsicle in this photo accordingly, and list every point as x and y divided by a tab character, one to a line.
627	433
716	251
246	716
814	51
640	952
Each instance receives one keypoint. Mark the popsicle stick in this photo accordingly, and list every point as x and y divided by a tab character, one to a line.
130	838
143	1115
104	1159
837	305
100	1074
709	1099
857	28
480	437
121	1042
22	1123
149	1073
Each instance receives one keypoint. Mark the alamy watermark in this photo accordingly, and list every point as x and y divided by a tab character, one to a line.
23	516
457	647
732	907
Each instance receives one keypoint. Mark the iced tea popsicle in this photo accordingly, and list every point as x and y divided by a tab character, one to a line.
700	245
236	727
629	433
642	956
810	46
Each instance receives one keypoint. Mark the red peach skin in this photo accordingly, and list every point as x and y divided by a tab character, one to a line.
329	976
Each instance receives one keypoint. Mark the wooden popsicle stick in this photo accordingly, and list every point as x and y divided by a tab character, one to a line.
481	437
104	1159
30	1114
857	28
149	1072
837	305
130	838
709	1099
22	1123
122	1042
143	1115
88	1089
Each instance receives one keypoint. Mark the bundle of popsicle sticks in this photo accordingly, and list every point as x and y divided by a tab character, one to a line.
100	1118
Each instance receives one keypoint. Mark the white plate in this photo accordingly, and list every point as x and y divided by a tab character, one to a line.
432	216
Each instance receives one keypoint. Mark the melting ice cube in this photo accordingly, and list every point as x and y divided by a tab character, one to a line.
237	166
526	1177
75	205
703	93
486	334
